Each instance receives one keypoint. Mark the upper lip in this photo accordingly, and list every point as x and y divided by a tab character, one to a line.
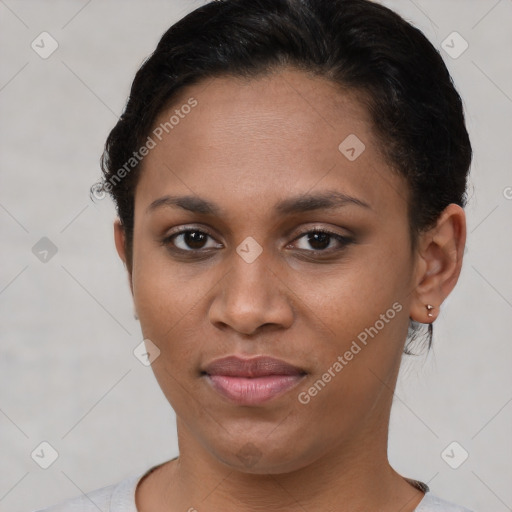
260	366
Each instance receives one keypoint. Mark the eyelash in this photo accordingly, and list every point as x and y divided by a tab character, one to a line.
344	241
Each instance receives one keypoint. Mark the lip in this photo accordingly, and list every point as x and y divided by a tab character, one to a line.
252	381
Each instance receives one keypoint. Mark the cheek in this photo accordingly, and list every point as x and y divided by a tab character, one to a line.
161	290
358	333
164	301
352	296
167	307
172	300
357	367
358	320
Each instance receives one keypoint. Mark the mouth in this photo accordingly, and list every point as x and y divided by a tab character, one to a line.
252	381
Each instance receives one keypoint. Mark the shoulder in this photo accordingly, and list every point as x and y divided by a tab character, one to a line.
118	497
431	503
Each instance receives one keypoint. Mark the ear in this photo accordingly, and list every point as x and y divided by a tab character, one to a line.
120	241
440	252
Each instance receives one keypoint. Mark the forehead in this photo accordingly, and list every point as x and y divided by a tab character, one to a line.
304	110
265	138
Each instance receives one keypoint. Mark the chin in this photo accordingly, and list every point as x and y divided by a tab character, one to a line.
260	457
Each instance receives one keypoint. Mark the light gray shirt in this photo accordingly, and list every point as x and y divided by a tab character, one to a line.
120	497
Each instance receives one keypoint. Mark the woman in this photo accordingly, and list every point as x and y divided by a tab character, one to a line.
290	179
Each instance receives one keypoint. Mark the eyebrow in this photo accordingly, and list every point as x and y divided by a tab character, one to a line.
327	200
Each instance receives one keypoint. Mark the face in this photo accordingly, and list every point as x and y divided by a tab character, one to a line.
288	246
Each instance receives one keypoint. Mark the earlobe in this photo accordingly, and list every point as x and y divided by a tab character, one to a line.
120	239
440	253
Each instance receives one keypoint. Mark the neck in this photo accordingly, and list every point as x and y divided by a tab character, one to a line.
353	476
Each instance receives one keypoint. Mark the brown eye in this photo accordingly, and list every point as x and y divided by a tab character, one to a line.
319	240
190	240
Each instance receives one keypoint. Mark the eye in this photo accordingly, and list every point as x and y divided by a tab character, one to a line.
190	240
317	240
321	240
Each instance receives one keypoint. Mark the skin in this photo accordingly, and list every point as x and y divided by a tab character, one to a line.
248	145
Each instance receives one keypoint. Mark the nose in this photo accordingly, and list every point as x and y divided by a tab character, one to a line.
250	296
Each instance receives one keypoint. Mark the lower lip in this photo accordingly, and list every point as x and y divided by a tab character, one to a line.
253	391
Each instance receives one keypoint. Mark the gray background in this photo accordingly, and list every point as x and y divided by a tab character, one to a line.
68	374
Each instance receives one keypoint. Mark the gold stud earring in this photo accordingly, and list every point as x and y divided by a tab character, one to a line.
429	309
